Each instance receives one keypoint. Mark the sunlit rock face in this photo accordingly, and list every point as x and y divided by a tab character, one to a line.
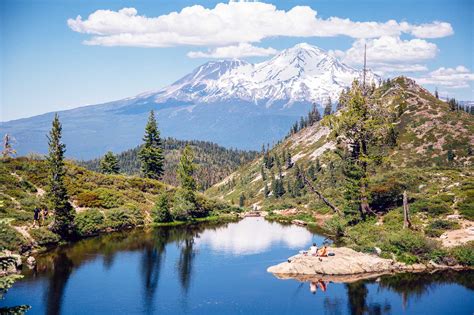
252	236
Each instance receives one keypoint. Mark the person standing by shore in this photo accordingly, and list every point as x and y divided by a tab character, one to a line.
36	214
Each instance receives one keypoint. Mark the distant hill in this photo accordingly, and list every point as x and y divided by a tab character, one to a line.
214	162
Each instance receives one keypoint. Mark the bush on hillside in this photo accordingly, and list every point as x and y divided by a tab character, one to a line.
88	199
89	222
466	205
10	239
183	206
464	254
120	218
410	247
44	237
438	227
109	198
433	206
161	210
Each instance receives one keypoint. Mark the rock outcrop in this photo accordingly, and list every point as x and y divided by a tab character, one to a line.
345	265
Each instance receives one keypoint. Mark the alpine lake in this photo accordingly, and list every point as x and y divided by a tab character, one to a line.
217	269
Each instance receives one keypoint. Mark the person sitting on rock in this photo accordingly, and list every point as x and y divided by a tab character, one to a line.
323	252
313	250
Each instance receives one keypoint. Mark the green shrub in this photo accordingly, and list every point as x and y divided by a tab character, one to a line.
10	239
88	199
26	185
119	218
434	206
109	198
89	222
336	226
183	206
466	205
44	237
408	245
438	227
464	254
161	211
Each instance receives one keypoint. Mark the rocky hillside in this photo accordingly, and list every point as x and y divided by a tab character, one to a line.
429	156
432	154
214	162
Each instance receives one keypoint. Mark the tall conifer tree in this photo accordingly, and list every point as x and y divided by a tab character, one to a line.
151	154
63	223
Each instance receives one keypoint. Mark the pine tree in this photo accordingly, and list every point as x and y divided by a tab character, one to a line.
262	172
265	191
280	172
289	162
362	126
109	164
242	200
151	153
186	170
63	222
8	150
328	107
436	93
162	209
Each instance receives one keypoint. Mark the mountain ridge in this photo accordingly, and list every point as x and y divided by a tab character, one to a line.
232	103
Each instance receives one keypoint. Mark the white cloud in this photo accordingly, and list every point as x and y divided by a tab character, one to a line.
458	77
433	30
234	51
232	23
390	54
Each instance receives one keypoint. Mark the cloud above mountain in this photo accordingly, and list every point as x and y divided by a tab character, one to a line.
390	54
234	51
455	78
233	23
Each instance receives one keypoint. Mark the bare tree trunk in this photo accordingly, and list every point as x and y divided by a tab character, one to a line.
318	193
406	215
364	200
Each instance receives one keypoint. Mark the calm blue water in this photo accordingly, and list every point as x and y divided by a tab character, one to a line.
217	270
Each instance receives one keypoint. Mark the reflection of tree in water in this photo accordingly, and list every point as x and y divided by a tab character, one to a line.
357	298
185	262
415	285
152	261
62	268
407	285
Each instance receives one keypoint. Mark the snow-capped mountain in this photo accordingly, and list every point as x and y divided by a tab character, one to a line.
298	74
231	102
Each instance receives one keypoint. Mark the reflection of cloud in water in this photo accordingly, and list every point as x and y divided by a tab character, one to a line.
254	235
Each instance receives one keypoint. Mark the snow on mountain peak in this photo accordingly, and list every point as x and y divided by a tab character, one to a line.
303	73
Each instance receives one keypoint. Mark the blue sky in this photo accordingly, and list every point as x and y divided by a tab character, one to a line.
50	64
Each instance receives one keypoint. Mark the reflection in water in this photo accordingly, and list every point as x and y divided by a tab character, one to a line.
62	267
251	237
152	261
177	290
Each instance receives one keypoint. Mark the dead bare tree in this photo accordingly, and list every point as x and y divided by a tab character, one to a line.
318	193
406	209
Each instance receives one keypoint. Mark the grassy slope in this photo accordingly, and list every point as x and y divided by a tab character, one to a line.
426	129
102	202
